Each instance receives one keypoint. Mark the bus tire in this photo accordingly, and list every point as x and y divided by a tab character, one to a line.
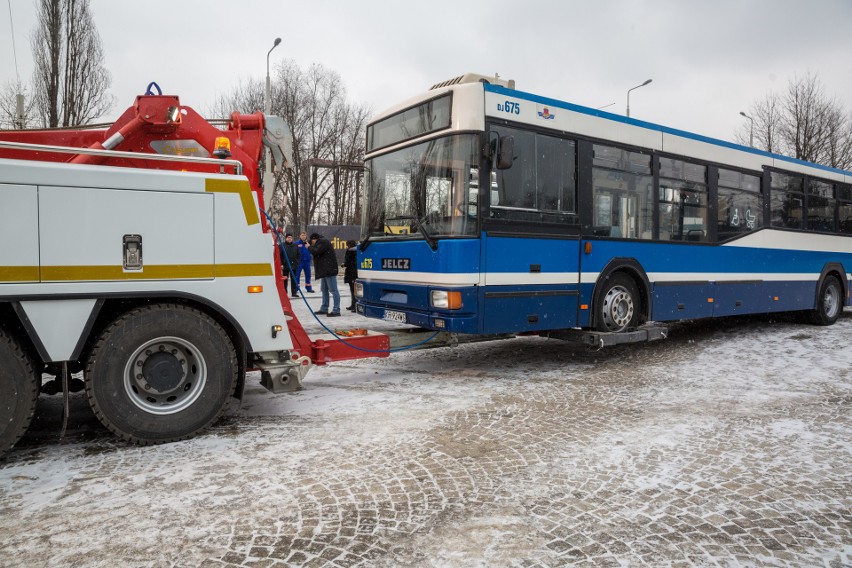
618	305
19	386
829	302
161	373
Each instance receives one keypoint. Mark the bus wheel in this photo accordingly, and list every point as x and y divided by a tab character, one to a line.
829	302
19	386
618	305
161	373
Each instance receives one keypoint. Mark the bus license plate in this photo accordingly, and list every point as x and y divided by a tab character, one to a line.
391	315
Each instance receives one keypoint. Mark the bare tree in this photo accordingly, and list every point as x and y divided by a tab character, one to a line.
328	142
838	140
766	114
70	81
9	106
804	123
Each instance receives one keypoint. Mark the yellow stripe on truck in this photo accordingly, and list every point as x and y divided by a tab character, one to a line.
150	272
19	274
240	187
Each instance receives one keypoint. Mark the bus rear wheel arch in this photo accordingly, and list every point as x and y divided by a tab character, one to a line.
161	373
618	305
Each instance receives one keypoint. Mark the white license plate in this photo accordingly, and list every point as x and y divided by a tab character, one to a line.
391	315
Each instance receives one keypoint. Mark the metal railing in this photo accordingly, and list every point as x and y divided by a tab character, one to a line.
236	164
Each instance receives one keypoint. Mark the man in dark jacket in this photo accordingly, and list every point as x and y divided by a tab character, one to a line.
350	273
290	258
325	269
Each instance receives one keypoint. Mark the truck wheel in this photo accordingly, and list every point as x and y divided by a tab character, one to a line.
161	373
18	391
829	302
617	308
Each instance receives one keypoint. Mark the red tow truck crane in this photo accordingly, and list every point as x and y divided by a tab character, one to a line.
164	338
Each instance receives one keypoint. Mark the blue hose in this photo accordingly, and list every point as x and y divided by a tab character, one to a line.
290	270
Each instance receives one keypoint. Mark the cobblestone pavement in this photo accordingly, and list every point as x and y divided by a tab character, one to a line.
728	444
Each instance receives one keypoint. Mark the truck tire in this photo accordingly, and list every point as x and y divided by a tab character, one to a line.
618	306
161	373
19	386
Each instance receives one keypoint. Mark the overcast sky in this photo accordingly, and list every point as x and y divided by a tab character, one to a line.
708	59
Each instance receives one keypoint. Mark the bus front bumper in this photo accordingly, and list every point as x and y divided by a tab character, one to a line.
438	321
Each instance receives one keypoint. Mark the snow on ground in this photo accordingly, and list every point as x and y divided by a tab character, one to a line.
727	444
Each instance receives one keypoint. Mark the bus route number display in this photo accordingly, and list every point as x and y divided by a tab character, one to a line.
510	107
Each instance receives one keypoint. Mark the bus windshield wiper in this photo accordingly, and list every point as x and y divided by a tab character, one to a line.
421	228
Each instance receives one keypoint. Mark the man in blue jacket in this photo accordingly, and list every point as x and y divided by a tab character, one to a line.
305	263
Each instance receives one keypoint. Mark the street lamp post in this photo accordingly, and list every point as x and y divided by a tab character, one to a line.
268	182
750	130
628	94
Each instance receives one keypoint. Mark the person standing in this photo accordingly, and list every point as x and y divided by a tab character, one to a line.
291	256
325	265
350	272
305	262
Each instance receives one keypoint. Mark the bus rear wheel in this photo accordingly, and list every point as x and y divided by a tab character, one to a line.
829	302
161	373
19	386
618	304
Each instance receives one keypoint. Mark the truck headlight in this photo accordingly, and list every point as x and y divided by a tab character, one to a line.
446	299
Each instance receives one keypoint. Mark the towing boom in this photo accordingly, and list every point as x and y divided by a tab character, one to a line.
139	253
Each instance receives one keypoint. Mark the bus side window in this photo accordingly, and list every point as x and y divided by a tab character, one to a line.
622	189
540	186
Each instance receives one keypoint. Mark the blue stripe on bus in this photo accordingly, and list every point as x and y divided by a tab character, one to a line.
692	258
516	255
652	126
453	256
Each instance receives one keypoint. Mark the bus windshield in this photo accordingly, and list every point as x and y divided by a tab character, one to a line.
424	191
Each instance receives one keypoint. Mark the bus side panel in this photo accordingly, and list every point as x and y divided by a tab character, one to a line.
531	284
737	298
683	301
694	281
515	309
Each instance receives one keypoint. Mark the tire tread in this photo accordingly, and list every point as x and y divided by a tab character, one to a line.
99	345
17	352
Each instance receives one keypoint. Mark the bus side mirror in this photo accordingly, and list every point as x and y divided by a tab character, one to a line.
505	152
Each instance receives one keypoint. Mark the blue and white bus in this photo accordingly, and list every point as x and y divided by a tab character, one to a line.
490	210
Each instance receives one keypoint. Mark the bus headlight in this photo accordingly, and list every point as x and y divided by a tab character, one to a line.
359	290
446	299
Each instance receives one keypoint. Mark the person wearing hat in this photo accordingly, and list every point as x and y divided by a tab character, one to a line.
325	270
291	256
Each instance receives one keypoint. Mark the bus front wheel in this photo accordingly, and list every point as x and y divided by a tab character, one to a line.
829	302
618	305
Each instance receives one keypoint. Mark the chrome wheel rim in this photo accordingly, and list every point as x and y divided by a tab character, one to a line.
617	308
831	301
165	375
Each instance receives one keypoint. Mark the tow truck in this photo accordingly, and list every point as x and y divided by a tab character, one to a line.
141	255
